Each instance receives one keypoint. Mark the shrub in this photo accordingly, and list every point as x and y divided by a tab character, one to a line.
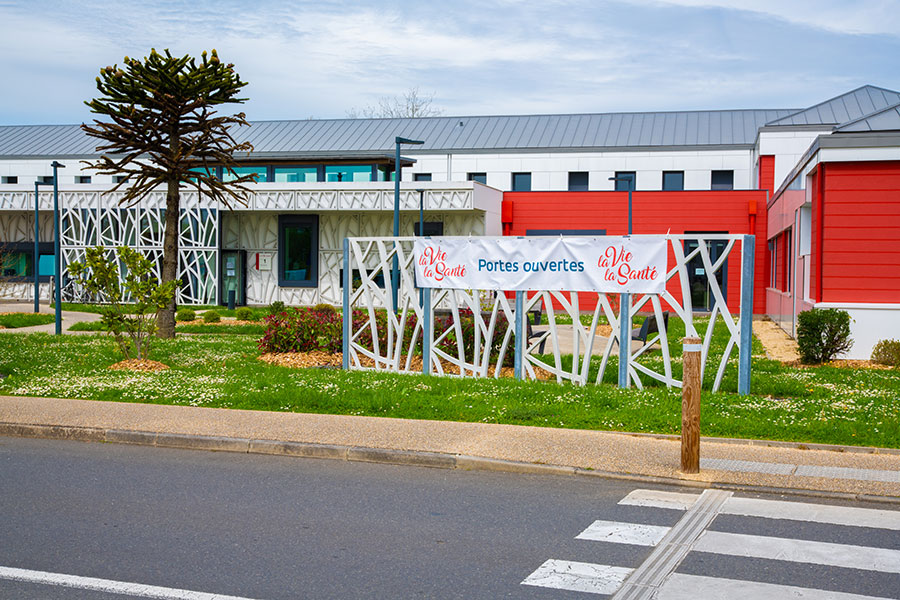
185	314
887	352
302	330
324	308
244	314
823	334
132	326
211	316
276	307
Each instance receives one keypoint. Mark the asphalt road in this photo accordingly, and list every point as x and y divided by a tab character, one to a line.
267	528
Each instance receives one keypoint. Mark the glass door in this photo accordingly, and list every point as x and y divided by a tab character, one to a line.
702	298
234	277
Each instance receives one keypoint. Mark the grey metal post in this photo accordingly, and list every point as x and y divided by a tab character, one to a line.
520	336
748	247
624	338
427	330
57	270
395	264
348	313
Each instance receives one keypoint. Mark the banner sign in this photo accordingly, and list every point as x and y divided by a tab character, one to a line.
600	264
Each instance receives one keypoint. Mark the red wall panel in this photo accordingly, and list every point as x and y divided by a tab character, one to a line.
660	212
860	235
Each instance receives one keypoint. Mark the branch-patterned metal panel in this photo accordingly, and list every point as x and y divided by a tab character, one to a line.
493	318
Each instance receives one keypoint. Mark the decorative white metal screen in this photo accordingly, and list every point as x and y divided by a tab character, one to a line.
374	337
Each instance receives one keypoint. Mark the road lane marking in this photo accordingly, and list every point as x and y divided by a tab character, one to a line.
691	587
774	509
665	558
578	576
801	551
616	532
108	585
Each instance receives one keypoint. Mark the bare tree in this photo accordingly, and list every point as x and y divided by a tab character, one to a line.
411	105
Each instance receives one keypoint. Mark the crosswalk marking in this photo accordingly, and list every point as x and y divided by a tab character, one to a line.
774	509
656	577
578	576
691	587
623	533
802	551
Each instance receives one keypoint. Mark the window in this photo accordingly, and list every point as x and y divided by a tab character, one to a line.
45	179
673	181
521	182
626	180
578	181
422	177
261	172
296	174
348	172
431	228
384	173
479	177
773	262
9	179
119	178
18	260
298	250
82	179
722	180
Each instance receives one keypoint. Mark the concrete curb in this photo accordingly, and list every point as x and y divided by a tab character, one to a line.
438	460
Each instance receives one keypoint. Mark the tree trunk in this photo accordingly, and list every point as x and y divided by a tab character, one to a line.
170	259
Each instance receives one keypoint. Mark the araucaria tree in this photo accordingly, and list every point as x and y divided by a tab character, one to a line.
163	131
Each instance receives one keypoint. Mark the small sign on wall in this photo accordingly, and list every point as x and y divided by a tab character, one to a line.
263	261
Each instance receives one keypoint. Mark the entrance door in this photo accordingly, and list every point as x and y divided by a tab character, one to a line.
234	276
702	298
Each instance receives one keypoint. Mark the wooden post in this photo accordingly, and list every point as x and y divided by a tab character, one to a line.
690	405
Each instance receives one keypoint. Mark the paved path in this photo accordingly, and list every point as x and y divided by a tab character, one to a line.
832	470
69	317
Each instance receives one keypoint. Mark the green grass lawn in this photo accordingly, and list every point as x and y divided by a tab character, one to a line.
825	404
16	320
217	328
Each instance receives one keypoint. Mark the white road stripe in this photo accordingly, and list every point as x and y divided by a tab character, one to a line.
774	509
883	560
659	499
814	513
692	587
108	585
578	576
624	533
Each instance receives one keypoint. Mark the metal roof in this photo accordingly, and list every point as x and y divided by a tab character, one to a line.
886	119
314	137
841	109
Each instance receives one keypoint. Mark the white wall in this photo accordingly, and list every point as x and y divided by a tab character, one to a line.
870	324
549	171
29	170
787	147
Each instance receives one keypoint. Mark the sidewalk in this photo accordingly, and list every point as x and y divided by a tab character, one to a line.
828	470
69	317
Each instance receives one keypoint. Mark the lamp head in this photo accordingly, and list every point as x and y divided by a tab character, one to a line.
403	140
57	165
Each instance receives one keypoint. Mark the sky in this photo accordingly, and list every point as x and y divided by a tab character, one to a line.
324	59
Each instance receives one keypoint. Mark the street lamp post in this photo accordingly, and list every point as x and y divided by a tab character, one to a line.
625	306
37	255
57	269
395	266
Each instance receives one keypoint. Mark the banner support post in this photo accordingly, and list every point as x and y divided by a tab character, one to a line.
427	330
748	245
520	334
348	317
624	338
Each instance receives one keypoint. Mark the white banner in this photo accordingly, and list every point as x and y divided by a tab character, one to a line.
601	264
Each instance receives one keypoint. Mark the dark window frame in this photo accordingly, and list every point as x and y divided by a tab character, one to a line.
622	186
512	181
10	179
477	176
285	221
721	185
432	228
578	186
421	176
44	249
669	174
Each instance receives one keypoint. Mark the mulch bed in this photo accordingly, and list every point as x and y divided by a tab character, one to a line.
139	364
306	360
843	364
